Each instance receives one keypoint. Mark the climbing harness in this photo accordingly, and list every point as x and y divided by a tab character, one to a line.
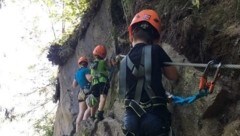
143	74
204	84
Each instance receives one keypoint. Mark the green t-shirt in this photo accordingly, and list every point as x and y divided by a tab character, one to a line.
99	71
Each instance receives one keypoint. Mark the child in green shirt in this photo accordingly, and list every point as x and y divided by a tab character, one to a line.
99	80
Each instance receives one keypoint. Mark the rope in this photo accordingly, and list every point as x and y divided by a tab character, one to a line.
231	66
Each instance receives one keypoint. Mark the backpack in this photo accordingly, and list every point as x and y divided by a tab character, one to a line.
99	72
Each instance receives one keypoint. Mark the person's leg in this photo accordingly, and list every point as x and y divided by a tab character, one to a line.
93	111
82	108
101	106
87	113
153	125
96	93
103	97
102	102
130	123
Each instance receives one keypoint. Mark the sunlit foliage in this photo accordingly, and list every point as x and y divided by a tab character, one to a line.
66	12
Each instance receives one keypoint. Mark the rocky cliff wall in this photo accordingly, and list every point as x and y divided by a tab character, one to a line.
192	35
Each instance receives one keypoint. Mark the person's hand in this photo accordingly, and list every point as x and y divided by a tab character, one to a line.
115	60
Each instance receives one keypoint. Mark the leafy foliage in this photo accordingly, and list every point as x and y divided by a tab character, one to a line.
196	3
61	53
54	54
74	9
67	12
44	126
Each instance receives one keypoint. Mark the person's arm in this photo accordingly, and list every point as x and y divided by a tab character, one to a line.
74	84
89	77
170	72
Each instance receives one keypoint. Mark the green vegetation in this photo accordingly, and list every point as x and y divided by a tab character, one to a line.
196	3
66	12
44	126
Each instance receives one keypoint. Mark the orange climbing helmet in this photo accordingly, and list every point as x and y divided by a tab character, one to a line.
82	59
146	15
100	51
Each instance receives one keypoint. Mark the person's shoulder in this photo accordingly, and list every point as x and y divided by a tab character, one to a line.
86	69
156	48
103	61
78	71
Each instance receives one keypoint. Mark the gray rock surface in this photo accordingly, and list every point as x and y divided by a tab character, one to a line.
195	36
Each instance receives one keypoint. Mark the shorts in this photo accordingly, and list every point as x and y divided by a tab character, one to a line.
82	96
100	88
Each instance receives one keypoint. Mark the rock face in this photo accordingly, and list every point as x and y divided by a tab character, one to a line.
191	34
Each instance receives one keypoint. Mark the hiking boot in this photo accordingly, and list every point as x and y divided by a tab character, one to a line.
92	118
99	115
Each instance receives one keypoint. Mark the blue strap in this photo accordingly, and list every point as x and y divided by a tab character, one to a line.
189	100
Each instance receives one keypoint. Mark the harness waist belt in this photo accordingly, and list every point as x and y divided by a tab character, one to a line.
156	101
140	108
135	106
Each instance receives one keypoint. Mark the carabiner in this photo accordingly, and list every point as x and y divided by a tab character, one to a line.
216	76
203	78
204	84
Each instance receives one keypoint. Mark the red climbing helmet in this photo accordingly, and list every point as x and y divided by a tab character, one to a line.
82	59
147	15
100	51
